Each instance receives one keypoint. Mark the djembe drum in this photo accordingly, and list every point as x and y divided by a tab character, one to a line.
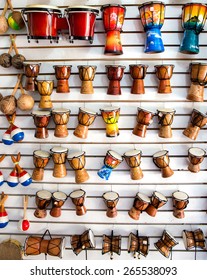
198	76
144	119
113	19
164	73
138	245
193	21
77	162
59	156
157	200
111	244
133	160
165	244
62	74
111	199
180	202
111	161
45	88
11	249
78	199
58	200
84	241
86	75
161	160
152	17
141	202
196	157
194	239
197	121
138	73
110	115
115	74
41	121
165	120
42	200
31	71
61	118
40	160
85	119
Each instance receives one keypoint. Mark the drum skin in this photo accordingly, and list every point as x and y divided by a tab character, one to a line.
11	249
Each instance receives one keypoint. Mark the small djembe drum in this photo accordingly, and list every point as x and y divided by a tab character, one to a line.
144	119
41	121
164	73
78	199
42	200
196	157
193	21
31	71
11	249
40	160
133	160
59	156
165	120
197	121
45	88
138	73
161	160
180	202
115	74
85	241
157	200
58	200
138	245
198	76
141	202
85	119
62	74
86	75
111	244
77	162
110	115
165	244
194	239
111	199
61	118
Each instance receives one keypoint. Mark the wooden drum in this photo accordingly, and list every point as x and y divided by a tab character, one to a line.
62	74
42	199
115	74
165	119
138	73
196	157
180	202
58	200
59	156
164	73
40	160
133	160
31	71
86	75
144	119
138	245
161	160
84	241
111	199
157	201
110	115
141	202
194	239
11	249
165	244
111	244
78	199
61	118
77	162
45	88
41	121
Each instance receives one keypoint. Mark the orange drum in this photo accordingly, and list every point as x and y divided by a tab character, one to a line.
157	201
41	121
40	160
164	73
180	202
133	160
165	244
45	89
138	73
196	157
61	118
62	74
86	75
111	244
161	160
165	119
111	199
194	239
110	115
141	202
144	119
78	199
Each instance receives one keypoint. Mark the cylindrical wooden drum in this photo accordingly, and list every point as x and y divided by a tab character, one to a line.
31	71
138	73
77	162
115	74
41	121
161	160
195	156
138	245
62	74
110	115
78	199
61	118
86	75
40	160
111	244
45	88
58	200
194	239
157	201
164	73
165	119
111	199
42	199
84	241
133	160
59	156
165	244
144	119
11	249
141	202
180	202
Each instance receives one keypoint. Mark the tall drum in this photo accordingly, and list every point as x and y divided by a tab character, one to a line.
62	74
165	119
164	73
133	160
45	89
59	156
115	74
87	75
31	71
196	157
60	117
110	115
138	73
40	160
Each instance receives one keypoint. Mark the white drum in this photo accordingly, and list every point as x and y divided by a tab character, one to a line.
44	195
40	113
197	152
180	196
132	153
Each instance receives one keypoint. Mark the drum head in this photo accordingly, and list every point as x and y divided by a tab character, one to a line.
77	194
110	109
60	111
41	113
198	152
11	249
132	153
75	155
82	9
142	109
115	155
41	154
88	111
44	194
62	246
180	195
110	196
160	196
133	237
42	8
92	238
166	233
188	235
59	195
143	197
166	111
58	150
160	154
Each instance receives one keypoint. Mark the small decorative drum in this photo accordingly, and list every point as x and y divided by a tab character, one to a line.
45	88
59	156
62	74
81	22
110	115
115	74
180	202
138	245
41	121
138	73
133	160
42	200
165	119
144	119
141	202
77	162
86	75
197	121
113	16
196	157
157	201
111	161
111	244
78	199
111	199
58	200
84	241
165	244
85	118
11	249
194	239
164	73
40	160
60	117
31	71
161	160
152	16
193	21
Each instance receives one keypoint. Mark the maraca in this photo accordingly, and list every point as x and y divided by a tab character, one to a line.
24	223
4	219
1	174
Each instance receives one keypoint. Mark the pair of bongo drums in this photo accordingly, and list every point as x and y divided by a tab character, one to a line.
84	241
195	156
138	245
144	119
194	239
110	116
31	71
162	161
133	160
165	244
111	244
111	199
78	199
180	202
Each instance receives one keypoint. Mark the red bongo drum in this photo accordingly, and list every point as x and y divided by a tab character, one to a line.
115	74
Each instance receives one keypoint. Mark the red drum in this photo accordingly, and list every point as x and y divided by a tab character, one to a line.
115	74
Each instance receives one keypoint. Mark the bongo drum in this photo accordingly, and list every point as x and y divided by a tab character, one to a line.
31	71
156	201
193	21
45	88
138	73
194	239
113	16
197	121
40	160
62	74
61	118
152	18
42	200
133	160
161	160
165	119
11	249
114	74
198	76
138	245
84	241
78	199
86	75
59	156
164	73
196	157
77	162
85	118
110	115
180	202
111	161
111	199
141	202
111	244
144	119
165	244
58	200
41	121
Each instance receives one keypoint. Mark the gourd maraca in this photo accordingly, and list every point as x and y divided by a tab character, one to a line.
24	223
